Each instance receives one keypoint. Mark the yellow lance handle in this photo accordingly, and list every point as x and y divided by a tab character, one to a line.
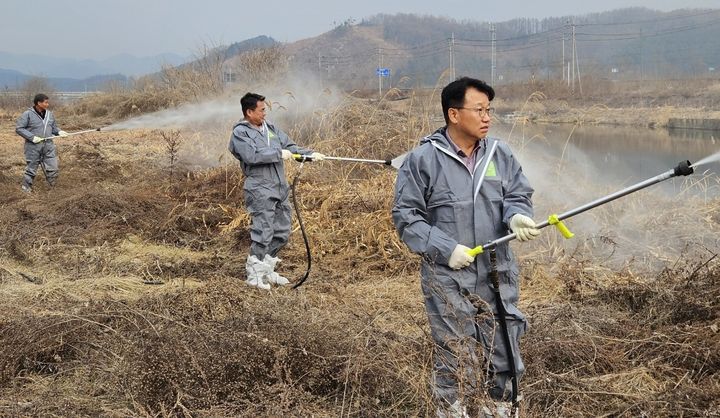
552	220
475	251
555	220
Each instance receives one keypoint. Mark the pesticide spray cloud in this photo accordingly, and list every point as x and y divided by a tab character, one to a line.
208	125
189	115
707	160
301	97
643	228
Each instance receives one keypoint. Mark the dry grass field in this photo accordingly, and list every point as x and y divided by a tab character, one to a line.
122	294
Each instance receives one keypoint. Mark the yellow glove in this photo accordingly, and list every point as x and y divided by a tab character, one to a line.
316	156
286	155
37	139
62	134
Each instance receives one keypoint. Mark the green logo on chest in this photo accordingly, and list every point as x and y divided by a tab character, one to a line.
490	172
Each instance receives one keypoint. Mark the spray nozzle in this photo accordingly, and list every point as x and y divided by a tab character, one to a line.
302	158
684	168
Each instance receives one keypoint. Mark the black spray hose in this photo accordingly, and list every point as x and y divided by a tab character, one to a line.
302	229
502	313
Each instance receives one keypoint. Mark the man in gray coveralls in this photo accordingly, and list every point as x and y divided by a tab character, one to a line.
35	125
261	148
456	190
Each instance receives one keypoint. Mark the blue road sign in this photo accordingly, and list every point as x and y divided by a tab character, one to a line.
383	72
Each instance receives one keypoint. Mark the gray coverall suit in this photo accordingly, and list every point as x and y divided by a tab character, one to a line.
31	124
266	188
439	203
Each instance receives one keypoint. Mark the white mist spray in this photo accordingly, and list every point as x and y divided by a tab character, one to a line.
301	96
207	126
707	160
186	116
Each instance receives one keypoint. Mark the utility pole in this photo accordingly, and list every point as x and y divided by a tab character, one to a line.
577	62
452	55
642	45
642	72
562	67
380	66
547	58
492	54
568	74
573	56
320	68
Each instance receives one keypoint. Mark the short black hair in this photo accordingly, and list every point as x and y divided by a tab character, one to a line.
453	95
39	98
249	101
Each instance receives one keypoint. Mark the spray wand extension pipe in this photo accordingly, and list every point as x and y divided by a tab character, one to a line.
395	162
684	168
301	157
74	133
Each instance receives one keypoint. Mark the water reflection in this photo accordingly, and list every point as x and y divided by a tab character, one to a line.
619	155
712	136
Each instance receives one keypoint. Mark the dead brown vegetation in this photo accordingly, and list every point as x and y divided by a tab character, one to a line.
83	335
648	103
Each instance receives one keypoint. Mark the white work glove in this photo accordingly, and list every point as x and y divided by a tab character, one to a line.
62	134
316	156
460	258
524	227
37	140
286	155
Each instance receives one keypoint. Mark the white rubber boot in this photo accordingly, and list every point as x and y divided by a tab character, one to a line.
456	410
502	410
256	270
505	410
272	277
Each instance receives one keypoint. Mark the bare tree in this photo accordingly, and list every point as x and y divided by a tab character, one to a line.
262	65
198	79
35	85
173	140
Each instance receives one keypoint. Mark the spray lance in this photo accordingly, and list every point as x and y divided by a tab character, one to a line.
73	133
684	168
395	163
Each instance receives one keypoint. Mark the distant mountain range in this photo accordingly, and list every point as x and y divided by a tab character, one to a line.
68	74
65	74
13	80
51	67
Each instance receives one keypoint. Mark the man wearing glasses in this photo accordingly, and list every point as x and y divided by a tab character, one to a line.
261	148
456	190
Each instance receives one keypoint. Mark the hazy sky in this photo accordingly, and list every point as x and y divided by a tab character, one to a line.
101	28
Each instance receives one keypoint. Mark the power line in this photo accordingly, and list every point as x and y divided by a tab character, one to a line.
506	58
663	19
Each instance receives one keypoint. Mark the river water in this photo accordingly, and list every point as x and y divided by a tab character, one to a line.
614	156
